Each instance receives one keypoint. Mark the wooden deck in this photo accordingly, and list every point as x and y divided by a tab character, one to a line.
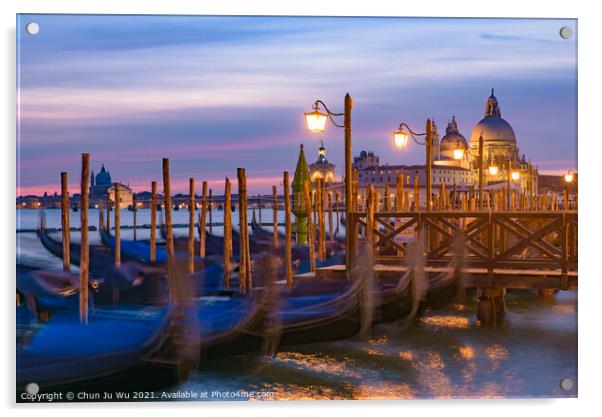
475	277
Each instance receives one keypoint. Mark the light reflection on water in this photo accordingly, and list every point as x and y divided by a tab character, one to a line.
446	354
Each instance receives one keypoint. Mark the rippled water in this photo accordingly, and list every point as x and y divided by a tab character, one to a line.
446	354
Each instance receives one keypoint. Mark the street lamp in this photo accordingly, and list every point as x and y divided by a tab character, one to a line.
316	122
493	169
568	177
400	138
515	175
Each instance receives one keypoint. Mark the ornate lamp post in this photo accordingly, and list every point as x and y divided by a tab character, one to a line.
401	137
316	123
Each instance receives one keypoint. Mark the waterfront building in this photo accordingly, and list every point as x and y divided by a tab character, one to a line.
101	185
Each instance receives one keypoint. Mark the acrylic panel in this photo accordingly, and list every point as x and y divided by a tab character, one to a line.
407	190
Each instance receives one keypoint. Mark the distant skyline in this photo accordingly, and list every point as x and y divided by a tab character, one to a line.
217	93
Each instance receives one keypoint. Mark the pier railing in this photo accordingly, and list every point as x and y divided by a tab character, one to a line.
534	240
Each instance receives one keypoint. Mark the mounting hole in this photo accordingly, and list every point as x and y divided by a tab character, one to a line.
32	388
566	384
32	28
566	32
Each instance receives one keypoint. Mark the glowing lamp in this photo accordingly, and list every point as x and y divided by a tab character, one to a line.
568	177
493	170
401	138
515	175
315	121
458	153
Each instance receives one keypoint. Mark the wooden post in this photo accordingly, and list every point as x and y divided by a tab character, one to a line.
84	246
318	205
330	225
171	260
210	206
323	218
311	230
429	164
416	194
117	225
135	210
191	210
348	174
399	192
153	231
108	213
227	233
336	204
65	222
288	245
203	223
242	269
246	228
259	208
481	176
371	200
275	215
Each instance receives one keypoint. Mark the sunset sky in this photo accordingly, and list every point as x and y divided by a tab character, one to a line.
217	93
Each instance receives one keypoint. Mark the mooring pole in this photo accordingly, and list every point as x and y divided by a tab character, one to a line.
171	260
135	209
153	231
259	208
210	206
288	245
65	222
84	245
242	269
117	225
227	232
275	215
191	211
348	179
203	222
311	231
108	213
330	225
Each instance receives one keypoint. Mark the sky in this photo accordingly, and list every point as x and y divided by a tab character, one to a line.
215	93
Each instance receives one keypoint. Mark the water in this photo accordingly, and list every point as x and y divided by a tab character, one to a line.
446	354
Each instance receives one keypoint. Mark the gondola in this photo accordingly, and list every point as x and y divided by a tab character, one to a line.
64	353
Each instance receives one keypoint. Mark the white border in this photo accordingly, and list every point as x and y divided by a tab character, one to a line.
589	154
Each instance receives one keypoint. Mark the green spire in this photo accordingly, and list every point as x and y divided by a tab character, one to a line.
300	179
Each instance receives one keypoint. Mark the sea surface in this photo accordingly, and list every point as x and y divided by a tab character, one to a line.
446	354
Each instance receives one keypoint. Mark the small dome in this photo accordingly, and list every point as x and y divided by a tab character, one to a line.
453	139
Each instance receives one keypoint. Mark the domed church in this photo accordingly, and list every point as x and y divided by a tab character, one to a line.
101	186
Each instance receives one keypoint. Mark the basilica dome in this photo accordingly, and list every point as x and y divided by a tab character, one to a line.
497	132
453	139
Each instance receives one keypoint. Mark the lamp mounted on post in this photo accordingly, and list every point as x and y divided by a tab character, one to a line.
315	122
400	138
